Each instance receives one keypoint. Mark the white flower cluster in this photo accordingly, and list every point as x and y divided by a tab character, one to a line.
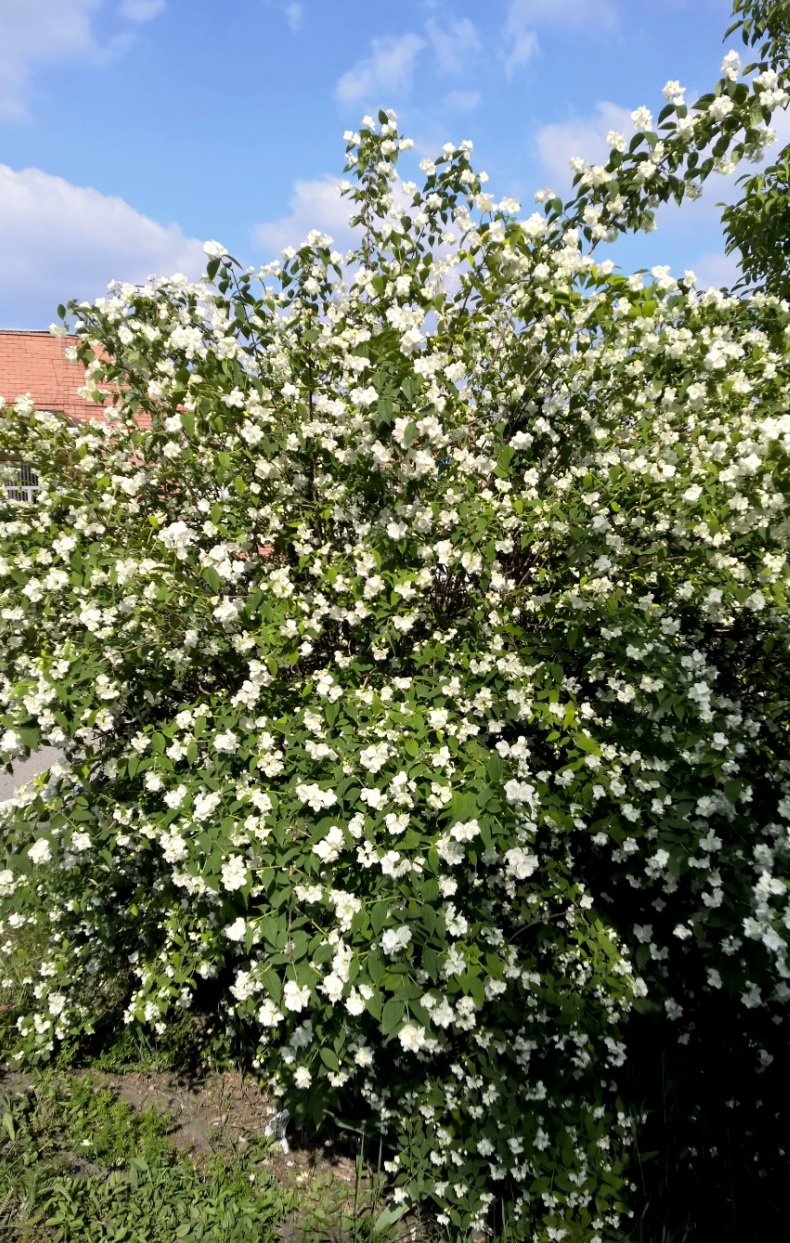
438	617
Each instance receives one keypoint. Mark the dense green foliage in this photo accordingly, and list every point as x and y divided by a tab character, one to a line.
422	671
77	1164
757	227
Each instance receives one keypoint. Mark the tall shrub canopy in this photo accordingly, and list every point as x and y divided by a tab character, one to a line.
421	671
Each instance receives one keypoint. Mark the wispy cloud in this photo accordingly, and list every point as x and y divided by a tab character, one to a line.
526	17
41	32
294	14
462	101
565	13
561	141
141	10
34	32
715	270
315	204
387	71
62	241
453	43
520	37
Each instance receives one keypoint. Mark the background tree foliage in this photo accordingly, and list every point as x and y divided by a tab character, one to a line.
757	227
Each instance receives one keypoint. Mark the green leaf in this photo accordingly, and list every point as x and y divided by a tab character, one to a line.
410	434
329	1058
495	768
392	1014
584	743
379	916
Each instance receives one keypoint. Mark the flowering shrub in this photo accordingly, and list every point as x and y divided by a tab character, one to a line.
421	671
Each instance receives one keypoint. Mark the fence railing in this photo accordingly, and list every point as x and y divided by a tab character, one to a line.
18	481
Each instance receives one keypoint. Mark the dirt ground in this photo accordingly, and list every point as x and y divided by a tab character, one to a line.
222	1113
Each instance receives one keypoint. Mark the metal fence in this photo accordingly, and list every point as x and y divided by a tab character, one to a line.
18	481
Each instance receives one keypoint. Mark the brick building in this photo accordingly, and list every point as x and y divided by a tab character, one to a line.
36	363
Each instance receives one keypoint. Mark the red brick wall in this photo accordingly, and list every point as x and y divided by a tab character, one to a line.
35	363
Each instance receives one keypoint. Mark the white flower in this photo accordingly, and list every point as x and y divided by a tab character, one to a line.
10	741
244	986
396	824
374	757
329	848
355	1002
465	832
309	893
294	997
315	797
269	1015
364	396
519	791
178	537
234	873
642	118
40	851
235	931
720	108
520	863
450	851
332	987
657	863
80	842
395	939
731	66
227	742
206	804
174	848
412	1037
375	799
174	798
302	1077
226	612
214	250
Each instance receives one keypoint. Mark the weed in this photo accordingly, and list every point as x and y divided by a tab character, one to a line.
78	1164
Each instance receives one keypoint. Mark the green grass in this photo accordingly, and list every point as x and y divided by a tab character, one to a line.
78	1164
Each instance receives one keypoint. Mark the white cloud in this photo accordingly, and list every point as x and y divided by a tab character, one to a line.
62	241
37	32
315	204
560	141
537	13
520	36
715	269
526	17
141	10
294	13
462	101
387	70
452	44
41	32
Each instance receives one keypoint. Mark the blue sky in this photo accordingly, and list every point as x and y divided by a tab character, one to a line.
132	130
